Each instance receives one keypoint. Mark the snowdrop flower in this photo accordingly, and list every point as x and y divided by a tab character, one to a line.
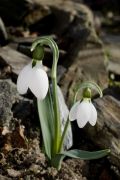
34	78
83	112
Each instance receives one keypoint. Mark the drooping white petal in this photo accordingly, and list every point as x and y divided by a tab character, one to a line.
23	79
93	117
38	83
73	111
83	113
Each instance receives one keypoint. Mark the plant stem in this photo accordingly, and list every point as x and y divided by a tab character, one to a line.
63	135
57	118
55	101
47	40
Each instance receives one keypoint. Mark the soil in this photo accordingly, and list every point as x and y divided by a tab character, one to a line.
24	160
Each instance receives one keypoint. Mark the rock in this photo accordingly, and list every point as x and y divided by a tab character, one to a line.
85	51
60	16
20	9
13	106
36	12
7	99
114	69
113	91
14	59
106	133
112	45
104	5
11	132
3	33
4	178
80	33
5	69
67	18
110	39
13	173
82	69
61	70
83	22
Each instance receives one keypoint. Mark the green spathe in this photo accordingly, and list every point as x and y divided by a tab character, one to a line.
87	93
38	53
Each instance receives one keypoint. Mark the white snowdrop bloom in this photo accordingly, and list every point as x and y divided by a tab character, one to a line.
83	112
35	79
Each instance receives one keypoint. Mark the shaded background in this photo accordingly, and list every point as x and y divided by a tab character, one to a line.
88	36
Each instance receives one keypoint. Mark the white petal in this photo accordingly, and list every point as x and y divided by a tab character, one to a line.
73	111
83	113
38	83
23	79
93	117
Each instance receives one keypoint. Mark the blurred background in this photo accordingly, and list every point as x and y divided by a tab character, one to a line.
88	36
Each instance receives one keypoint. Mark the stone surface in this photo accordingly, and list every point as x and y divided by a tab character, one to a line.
12	105
112	46
5	69
3	33
67	18
85	56
7	99
14	12
88	65
4	178
106	133
13	58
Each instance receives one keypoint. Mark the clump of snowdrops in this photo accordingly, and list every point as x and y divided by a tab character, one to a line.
34	77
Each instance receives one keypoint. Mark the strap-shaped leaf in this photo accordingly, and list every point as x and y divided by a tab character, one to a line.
46	116
84	155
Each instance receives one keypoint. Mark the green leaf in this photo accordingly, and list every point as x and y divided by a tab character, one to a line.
46	117
84	155
57	160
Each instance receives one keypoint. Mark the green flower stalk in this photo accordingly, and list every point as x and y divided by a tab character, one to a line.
51	43
34	77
